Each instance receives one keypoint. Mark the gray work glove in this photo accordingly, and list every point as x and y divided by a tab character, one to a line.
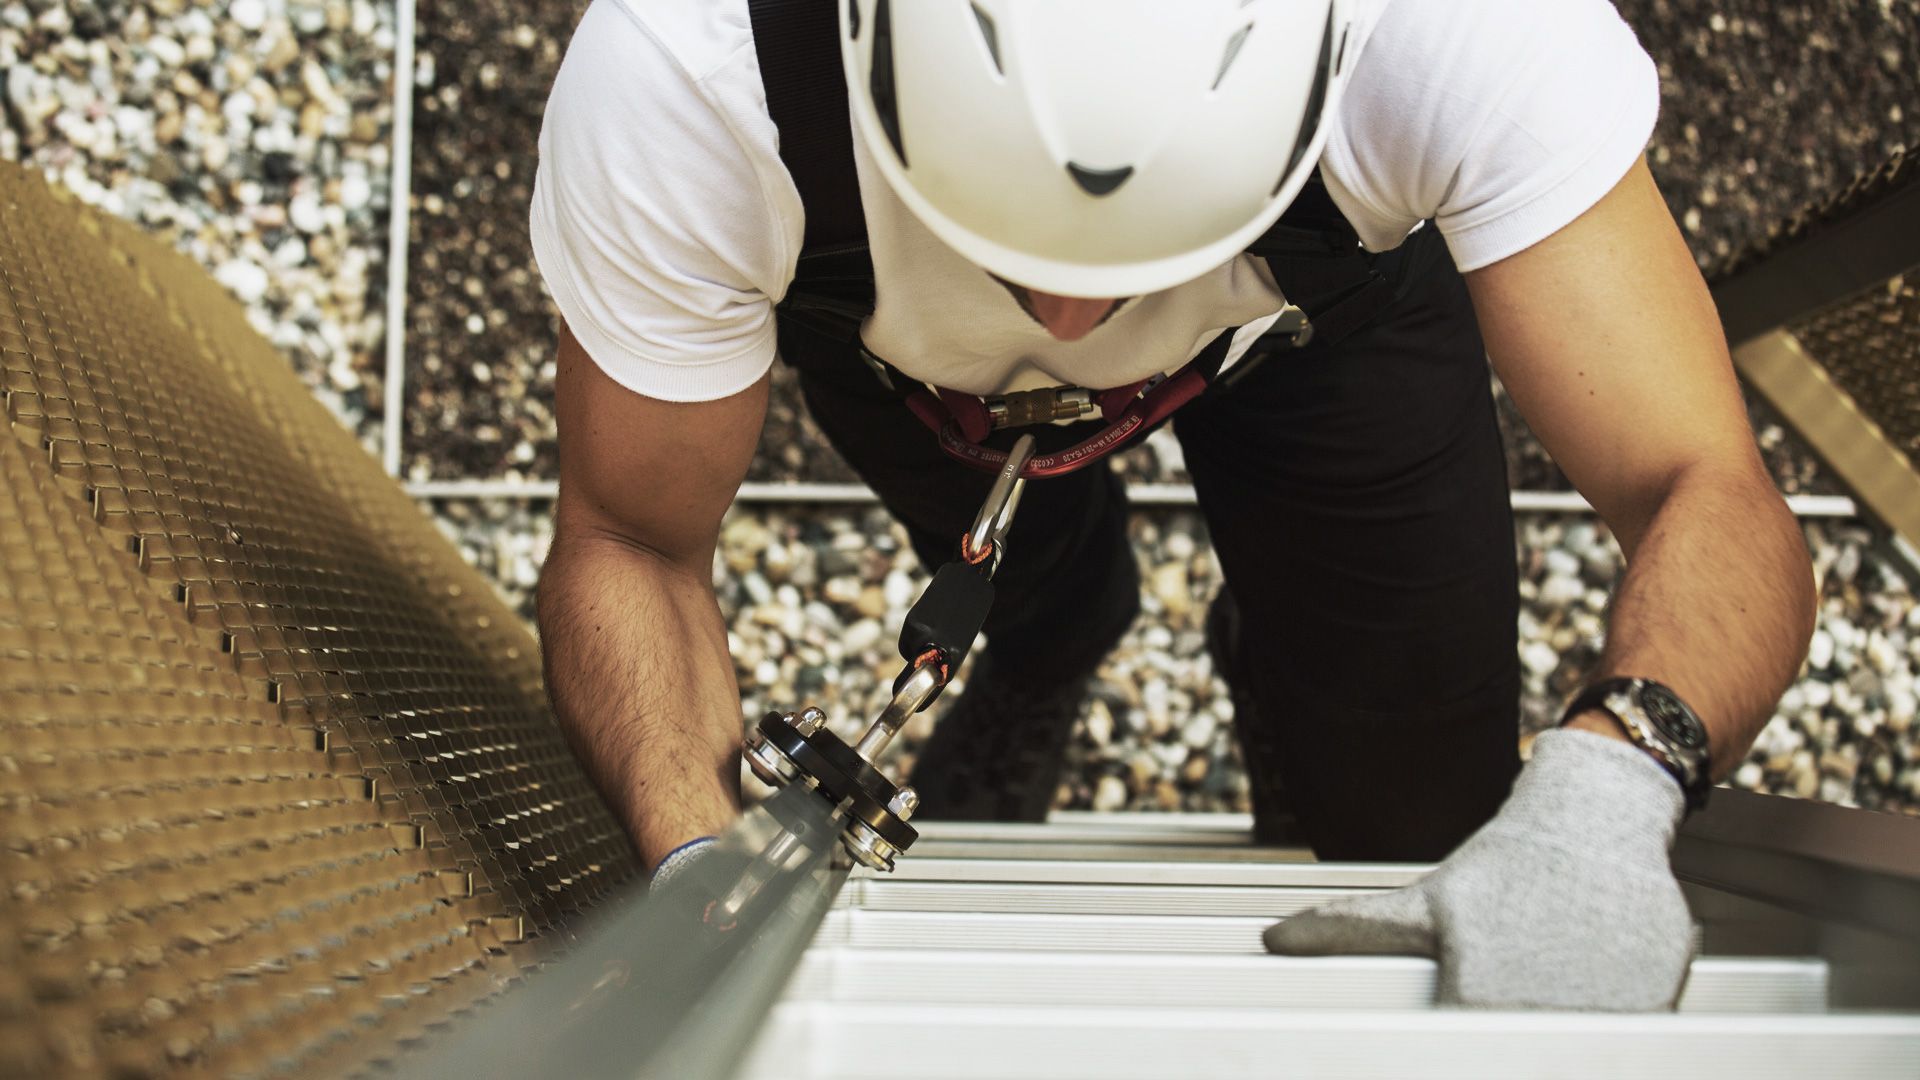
1564	900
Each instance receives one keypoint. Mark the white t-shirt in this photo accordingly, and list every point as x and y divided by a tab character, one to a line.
667	227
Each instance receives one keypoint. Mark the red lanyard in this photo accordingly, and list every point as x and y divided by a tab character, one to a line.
961	421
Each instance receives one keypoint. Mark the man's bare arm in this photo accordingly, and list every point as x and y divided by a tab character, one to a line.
1607	339
636	652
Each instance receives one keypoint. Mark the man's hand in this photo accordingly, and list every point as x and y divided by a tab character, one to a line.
1564	900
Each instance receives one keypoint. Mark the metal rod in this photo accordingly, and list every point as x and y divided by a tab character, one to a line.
399	217
656	985
911	699
1154	495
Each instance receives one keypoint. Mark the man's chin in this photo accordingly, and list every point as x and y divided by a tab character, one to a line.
1067	318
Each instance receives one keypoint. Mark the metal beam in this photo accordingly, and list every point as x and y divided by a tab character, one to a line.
1881	477
1831	262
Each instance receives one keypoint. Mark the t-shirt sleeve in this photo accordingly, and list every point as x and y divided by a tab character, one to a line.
662	221
1500	120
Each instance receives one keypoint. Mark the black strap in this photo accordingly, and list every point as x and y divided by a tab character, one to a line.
798	42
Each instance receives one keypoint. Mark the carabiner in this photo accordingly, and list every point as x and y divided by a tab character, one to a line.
990	525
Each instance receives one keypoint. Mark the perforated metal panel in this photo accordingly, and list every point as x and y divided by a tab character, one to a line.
278	782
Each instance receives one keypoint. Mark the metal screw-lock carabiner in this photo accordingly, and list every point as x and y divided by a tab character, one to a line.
990	525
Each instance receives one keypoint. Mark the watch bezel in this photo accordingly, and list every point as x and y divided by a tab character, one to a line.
1688	760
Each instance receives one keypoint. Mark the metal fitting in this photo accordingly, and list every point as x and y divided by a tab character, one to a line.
990	525
769	762
904	803
809	720
868	847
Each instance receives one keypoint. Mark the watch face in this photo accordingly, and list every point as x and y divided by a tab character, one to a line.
1675	721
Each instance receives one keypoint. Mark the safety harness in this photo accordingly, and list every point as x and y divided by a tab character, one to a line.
1314	253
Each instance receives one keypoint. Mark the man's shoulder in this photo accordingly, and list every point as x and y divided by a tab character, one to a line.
702	37
1474	112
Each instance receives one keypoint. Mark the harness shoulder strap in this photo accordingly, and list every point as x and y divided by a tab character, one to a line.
798	42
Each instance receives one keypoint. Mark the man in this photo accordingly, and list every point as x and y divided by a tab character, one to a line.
1076	192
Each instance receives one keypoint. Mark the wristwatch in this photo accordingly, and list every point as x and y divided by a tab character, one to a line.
1658	722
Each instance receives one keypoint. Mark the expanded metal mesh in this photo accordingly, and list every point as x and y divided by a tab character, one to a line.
1899	171
1870	347
278	783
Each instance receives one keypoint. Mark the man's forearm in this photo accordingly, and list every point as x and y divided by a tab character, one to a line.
1718	603
639	673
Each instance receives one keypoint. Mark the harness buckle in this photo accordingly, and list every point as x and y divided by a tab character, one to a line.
1294	323
873	364
1043	406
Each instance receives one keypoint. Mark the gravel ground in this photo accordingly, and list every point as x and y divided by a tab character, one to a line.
814	599
254	133
480	330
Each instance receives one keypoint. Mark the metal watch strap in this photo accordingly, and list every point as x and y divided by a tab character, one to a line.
1618	698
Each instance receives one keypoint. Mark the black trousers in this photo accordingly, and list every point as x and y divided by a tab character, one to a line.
1356	495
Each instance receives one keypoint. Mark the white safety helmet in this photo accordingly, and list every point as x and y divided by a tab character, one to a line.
1096	148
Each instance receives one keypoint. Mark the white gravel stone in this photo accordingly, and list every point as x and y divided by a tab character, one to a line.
248	14
1539	657
1820	650
1818	694
245	279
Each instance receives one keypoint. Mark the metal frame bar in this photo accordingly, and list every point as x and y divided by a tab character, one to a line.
1150	1043
883	977
1833	261
1830	863
399	225
1795	384
1146	495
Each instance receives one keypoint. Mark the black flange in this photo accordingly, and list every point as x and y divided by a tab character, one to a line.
843	776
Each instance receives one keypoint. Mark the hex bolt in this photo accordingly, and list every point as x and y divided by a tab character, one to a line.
808	721
904	803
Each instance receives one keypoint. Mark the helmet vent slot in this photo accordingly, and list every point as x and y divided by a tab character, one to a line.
1234	43
989	35
885	105
853	19
1099	181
